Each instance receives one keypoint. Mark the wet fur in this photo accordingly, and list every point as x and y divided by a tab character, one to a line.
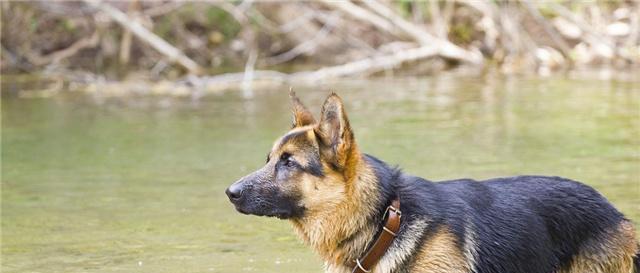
527	224
516	224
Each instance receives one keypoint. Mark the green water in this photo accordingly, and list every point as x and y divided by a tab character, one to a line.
95	184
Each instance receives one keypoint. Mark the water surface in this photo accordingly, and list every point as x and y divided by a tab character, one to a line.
94	184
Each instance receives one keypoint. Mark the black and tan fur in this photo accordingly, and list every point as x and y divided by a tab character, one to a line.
334	195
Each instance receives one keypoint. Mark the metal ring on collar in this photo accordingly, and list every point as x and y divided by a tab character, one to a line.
361	267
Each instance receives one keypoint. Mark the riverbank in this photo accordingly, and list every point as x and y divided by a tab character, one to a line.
48	85
318	40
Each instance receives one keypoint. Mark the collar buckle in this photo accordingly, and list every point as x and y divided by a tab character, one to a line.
390	228
394	209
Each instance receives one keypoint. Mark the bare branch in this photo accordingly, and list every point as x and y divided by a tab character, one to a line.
307	46
368	65
363	15
445	48
248	73
147	36
555	37
59	55
436	19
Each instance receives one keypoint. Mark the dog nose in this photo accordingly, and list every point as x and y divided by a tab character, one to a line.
234	192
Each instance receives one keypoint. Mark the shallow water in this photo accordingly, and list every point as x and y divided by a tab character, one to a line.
92	184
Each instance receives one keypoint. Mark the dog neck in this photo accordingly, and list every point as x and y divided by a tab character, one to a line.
343	232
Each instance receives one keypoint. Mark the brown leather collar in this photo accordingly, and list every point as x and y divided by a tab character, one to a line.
388	233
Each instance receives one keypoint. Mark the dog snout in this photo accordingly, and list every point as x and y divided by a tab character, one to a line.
234	192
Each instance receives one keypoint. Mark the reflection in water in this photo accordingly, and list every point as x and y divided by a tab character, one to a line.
97	184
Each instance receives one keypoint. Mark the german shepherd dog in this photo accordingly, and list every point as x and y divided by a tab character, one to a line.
335	197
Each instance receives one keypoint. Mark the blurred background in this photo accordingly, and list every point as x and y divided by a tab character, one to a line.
124	121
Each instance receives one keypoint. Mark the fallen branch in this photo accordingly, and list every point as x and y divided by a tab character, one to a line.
59	55
346	37
192	84
363	15
416	10
368	65
247	81
515	41
440	20
488	23
560	43
307	46
147	36
407	27
444	47
127	37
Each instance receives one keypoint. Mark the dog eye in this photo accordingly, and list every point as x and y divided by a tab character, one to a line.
287	159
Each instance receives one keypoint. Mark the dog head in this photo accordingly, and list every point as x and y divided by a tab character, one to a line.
307	169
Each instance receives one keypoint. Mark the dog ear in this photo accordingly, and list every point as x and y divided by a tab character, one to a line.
301	115
334	132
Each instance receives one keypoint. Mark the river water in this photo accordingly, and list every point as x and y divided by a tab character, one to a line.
98	184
